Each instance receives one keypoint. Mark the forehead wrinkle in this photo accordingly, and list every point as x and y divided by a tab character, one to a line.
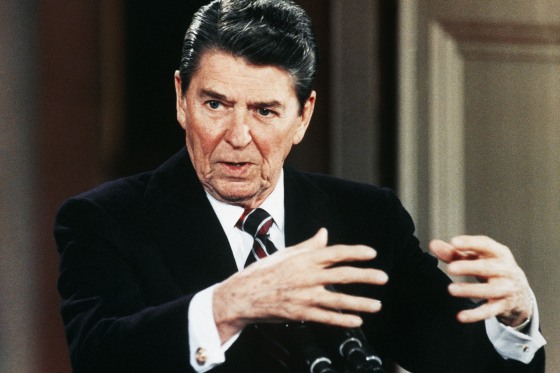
238	84
204	92
273	104
265	102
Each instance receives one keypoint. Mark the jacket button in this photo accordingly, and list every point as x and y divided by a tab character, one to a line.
200	356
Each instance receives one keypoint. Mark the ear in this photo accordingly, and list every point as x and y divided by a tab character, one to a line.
306	114
181	103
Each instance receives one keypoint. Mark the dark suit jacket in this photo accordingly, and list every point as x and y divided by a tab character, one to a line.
135	251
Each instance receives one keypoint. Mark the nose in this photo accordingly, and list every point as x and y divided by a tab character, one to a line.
238	134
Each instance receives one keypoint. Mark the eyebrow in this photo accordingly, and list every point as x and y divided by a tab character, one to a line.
213	94
273	104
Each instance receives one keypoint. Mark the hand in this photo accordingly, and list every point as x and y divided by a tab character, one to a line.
502	282
290	285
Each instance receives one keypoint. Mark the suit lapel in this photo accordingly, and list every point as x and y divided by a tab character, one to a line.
305	209
191	239
189	235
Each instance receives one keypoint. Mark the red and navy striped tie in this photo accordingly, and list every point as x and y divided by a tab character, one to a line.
257	222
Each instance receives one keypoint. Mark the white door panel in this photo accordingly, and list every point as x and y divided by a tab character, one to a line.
480	131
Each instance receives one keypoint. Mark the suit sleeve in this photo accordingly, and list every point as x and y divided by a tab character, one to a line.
109	323
421	330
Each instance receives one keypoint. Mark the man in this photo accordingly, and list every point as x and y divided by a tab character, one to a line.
153	274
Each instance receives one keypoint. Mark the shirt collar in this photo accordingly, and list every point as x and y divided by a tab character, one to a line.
273	204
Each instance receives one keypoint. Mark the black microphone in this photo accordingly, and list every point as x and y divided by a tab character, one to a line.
315	357
359	355
328	349
352	345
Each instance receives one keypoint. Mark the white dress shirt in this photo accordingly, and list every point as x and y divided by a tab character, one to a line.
203	333
202	327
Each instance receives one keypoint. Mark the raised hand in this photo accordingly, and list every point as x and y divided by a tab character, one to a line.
290	285
501	281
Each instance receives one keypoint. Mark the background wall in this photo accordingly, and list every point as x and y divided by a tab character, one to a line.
17	175
479	134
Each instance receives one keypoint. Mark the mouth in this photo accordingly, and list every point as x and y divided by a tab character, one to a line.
235	164
236	168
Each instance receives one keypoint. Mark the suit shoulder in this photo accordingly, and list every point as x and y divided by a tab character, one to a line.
335	187
119	190
119	194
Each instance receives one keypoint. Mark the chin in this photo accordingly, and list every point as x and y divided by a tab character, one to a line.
240	193
236	196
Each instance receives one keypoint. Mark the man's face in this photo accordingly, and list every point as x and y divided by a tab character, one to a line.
240	121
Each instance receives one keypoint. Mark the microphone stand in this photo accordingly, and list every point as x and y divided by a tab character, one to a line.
318	345
351	344
355	349
315	357
358	353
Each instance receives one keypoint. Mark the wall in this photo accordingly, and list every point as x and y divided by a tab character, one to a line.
479	131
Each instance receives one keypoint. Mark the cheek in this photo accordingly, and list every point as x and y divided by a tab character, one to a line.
200	144
275	150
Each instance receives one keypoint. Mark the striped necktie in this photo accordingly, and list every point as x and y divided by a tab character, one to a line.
257	222
271	337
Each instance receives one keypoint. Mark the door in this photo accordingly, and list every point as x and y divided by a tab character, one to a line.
480	131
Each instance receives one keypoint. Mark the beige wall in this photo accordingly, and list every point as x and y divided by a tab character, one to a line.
480	138
17	202
513	172
49	110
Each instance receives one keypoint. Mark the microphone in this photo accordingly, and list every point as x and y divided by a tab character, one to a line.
315	357
352	345
359	355
319	345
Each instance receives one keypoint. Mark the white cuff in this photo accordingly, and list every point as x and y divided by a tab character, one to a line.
513	344
206	350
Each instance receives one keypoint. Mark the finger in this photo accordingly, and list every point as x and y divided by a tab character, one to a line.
326	257
481	245
334	254
486	268
342	301
330	317
331	255
318	315
345	253
442	250
449	253
316	241
323	309
483	312
480	291
352	275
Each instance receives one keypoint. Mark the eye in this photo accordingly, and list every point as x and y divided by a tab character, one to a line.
264	112
212	104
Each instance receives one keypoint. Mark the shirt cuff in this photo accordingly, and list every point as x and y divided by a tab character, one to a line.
513	344
206	350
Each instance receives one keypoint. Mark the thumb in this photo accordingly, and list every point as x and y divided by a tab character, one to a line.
442	250
318	240
321	237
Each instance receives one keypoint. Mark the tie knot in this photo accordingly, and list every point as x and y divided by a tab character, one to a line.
256	222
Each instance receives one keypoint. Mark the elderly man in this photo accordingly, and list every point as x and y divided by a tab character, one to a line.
214	260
